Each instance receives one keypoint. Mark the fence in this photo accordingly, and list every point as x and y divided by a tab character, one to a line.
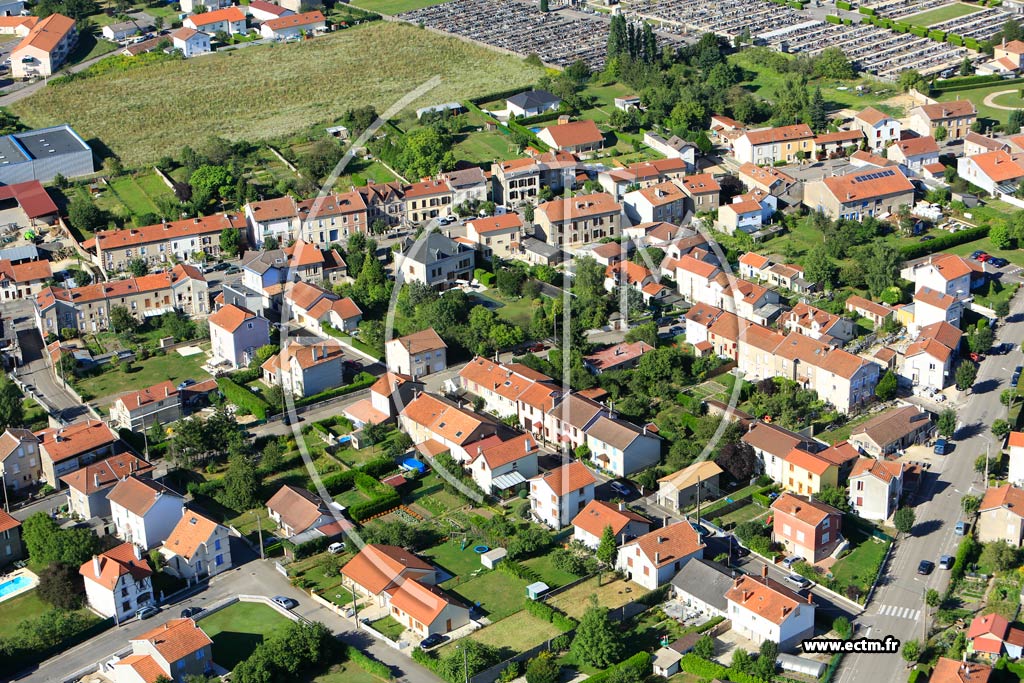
491	675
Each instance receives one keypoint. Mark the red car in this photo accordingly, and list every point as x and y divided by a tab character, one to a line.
984	257
536	348
976	357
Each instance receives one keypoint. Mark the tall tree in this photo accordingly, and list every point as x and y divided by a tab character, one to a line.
597	640
738	459
61	585
885	390
965	375
230	242
945	424
818	117
122	321
881	267
606	547
241	484
617	44
904	520
820	268
12	408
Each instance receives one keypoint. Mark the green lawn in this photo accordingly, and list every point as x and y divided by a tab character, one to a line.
261	92
744	514
518	311
146	373
978	96
993	292
344	673
549	573
843	433
389	627
35	417
611	593
460	563
857	568
604	100
351	497
14	610
940	14
498	593
484	147
513	634
133	196
394	6
237	629
430	495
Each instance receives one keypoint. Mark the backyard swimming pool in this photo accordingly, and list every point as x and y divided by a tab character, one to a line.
14	585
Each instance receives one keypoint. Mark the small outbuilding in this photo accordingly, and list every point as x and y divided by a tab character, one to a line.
491	558
801	665
537	589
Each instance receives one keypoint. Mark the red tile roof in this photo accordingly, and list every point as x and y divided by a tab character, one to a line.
75	439
115	563
47	33
575	133
377	566
1006	496
567	478
295	20
765	597
868	184
669	544
598	514
7	522
176	639
582	206
231	14
143	397
781	134
104	473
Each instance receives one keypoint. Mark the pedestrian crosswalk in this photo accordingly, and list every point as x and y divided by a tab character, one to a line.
899	612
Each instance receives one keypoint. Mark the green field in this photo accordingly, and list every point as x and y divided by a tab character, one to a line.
940	14
518	311
14	610
394	6
978	96
498	593
237	629
269	91
144	374
513	634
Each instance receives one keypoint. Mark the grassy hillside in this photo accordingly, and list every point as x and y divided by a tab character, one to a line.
270	90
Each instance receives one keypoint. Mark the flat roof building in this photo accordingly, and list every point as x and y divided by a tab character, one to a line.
42	154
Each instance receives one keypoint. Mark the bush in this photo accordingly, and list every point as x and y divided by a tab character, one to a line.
833	19
943	242
313	547
245	376
705	627
867	10
361	381
368	664
243	398
518	570
548	613
637	668
842	4
362	511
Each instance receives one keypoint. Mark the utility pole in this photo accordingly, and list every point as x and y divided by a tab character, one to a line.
924	622
985	482
465	663
355	605
259	529
3	482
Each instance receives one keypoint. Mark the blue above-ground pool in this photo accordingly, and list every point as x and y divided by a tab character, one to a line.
536	130
480	549
344	439
414	464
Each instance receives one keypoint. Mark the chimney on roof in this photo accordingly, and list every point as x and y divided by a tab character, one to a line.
622	506
138	551
764	571
196	220
96	479
810	598
96	565
657	558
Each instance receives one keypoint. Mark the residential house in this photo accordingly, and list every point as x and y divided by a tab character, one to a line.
667	657
332	218
642	174
634	276
807	473
164	243
197	548
665	202
652	560
299	514
577	137
566	423
990	636
946	274
236	334
854	196
276	218
306	370
877	313
11	549
948	670
875	488
673	148
1015	445
498	384
766	146
930	359
293	26
20	462
843	455
932	306
1001	515
531	103
537	253
831	145
839	377
44	50
138	410
768	179
63	450
866	160
1006	59
261	10
88	487
620	447
138	22
893	430
818	324
772	444
23	280
590	524
955	118
425	609
13	23
502	467
998	172
763	609
316	308
190	42
622	356
574	222
388	396
557	496
428	199
436	425
468	185
87	309
878	128
496	236
703	192
748	212
144	511
118	582
230	20
978	143
518	181
173	650
436	261
682	490
192	6
807	528
701	586
914	154
417	354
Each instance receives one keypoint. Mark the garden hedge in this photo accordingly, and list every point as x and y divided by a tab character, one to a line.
833	19
842	4
361	381
243	398
943	242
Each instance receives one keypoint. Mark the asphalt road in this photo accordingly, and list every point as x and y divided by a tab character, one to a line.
897	607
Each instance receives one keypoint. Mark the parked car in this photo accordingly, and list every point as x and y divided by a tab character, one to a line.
336	548
797	581
941	446
976	357
620	488
961	528
147	612
185	384
433	640
536	348
677	330
232	270
222	266
190	612
925	567
1015	377
927	238
976	254
984	257
946	562
791	560
287	603
998	262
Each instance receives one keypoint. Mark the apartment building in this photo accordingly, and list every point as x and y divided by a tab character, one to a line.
577	221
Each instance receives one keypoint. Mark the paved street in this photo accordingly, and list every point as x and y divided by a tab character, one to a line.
898	603
256	577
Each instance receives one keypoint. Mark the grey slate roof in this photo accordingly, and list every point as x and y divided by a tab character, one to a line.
705	580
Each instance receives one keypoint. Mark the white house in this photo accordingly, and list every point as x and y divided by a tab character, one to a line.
929	363
590	523
621	447
875	488
879	129
499	466
532	103
1015	443
417	355
932	306
557	496
913	154
293	25
997	172
654	558
230	20
144	511
197	548
118	582
944	273
665	201
763	609
235	334
307	370
190	41
261	10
